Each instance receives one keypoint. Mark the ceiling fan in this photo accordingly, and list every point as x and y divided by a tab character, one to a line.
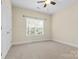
47	2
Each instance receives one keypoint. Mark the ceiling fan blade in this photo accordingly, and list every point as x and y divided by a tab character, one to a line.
45	5
40	1
53	2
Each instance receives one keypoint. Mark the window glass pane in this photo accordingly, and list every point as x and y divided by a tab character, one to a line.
34	26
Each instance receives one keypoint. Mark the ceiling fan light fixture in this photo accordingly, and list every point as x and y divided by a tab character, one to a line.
47	2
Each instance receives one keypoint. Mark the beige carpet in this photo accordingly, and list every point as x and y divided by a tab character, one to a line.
42	50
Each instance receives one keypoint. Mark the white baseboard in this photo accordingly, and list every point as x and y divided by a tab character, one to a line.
66	43
24	42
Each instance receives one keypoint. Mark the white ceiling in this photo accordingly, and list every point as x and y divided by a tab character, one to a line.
50	9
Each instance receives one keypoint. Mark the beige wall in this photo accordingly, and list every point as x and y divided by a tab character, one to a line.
6	23
64	25
19	25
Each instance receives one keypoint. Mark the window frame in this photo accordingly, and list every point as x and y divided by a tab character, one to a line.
35	19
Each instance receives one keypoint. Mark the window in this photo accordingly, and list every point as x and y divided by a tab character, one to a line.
34	26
